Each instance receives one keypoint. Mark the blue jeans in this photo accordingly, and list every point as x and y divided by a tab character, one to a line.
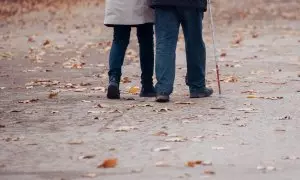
168	21
146	47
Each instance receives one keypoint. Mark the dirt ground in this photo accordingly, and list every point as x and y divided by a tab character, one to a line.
56	123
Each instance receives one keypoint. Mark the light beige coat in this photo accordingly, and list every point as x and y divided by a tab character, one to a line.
128	12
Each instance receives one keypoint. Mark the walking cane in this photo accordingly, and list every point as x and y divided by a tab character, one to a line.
214	45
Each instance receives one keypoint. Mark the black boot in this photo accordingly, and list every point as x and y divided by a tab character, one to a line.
113	91
148	91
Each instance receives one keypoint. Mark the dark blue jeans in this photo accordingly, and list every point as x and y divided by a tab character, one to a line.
146	47
167	23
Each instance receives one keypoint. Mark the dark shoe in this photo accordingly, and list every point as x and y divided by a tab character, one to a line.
113	91
162	98
206	92
148	92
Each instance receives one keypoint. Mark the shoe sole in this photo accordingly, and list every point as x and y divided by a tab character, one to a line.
162	100
113	92
201	96
148	95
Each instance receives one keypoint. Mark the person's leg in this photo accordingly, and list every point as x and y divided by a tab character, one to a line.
146	43
116	58
166	31
195	52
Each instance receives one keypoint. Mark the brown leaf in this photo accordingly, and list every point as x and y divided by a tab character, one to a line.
231	79
126	128
161	133
272	98
46	42
108	163
78	66
209	172
223	54
125	80
185	103
87	156
29	101
85	84
2	126
52	95
190	164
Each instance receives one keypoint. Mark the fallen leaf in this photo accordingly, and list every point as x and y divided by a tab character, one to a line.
185	103
75	142
161	133
147	105
115	111
46	42
231	79
223	54
272	98
252	96
238	39
260	168
85	84
285	118
209	172
206	163
218	108
2	88
190	164
198	138
80	90
134	90
125	80
87	156
248	110
250	92
164	110
89	175
108	163
52	95
280	130
102	89
217	148
166	148
94	112
254	35
161	164
176	139
29	101
290	158
126	128
77	66
2	126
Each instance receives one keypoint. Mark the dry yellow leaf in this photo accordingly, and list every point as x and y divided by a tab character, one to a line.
134	90
251	96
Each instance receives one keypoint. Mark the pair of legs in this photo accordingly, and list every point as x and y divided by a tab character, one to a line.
119	46
168	21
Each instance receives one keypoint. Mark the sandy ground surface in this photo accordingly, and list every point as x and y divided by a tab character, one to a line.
251	131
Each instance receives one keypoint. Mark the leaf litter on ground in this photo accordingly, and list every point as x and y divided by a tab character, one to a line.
125	128
108	163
